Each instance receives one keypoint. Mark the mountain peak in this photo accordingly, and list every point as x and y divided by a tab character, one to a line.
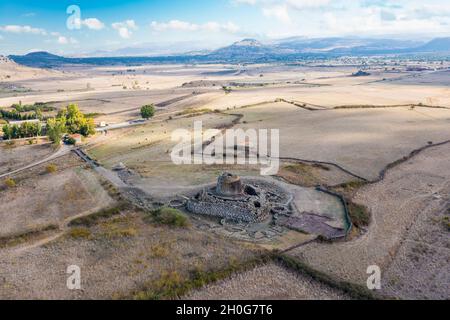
248	43
436	45
41	54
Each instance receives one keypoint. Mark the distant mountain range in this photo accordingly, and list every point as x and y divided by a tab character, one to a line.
251	50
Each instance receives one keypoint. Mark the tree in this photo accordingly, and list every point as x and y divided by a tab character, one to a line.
25	130
6	132
87	127
55	129
148	111
75	121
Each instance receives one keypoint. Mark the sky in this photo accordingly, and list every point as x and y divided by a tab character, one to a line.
83	27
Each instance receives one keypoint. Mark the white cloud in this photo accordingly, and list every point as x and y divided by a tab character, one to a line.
124	28
62	40
280	12
90	23
65	40
307	4
174	25
23	29
353	17
230	27
177	25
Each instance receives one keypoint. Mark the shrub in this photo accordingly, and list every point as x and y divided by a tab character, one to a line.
92	219
70	141
446	223
359	214
170	217
10	183
123	233
194	112
172	285
80	233
158	251
16	239
148	111
51	168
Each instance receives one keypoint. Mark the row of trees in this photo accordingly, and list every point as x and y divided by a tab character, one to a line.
68	120
19	107
14	115
25	130
26	112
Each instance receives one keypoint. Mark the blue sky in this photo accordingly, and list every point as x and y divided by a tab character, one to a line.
179	25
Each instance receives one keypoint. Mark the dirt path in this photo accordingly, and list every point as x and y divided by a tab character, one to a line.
62	151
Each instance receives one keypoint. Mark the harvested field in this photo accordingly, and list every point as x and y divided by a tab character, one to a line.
268	282
41	198
311	175
119	258
362	141
402	231
15	157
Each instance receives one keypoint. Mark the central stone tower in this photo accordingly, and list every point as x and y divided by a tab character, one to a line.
229	185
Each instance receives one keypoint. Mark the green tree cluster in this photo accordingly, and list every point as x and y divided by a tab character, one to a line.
25	112
25	130
14	115
55	129
75	121
69	120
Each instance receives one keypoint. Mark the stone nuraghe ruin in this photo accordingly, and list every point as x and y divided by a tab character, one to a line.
231	199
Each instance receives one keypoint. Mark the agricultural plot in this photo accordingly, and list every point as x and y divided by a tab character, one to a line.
407	236
362	141
45	196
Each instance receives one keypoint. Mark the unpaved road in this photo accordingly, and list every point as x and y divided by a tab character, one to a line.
62	151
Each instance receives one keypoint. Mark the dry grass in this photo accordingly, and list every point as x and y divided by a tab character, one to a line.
98	216
80	233
51	168
172	284
307	175
10	183
169	217
17	239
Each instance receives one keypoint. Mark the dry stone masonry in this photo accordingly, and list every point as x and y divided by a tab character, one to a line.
234	200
